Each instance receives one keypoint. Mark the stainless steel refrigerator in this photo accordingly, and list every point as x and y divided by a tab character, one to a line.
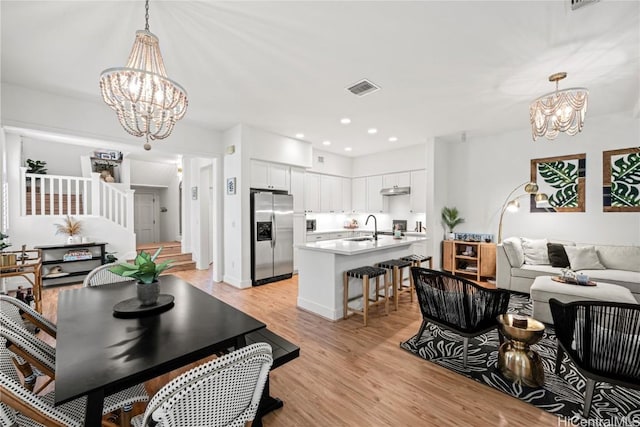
271	237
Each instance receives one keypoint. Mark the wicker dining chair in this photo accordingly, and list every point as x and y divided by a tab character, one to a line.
102	276
223	392
602	339
19	341
457	304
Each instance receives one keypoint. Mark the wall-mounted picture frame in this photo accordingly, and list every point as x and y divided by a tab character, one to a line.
562	179
231	186
621	180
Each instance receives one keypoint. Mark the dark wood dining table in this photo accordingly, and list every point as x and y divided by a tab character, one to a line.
98	354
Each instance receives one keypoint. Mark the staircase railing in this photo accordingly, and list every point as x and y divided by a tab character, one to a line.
114	204
54	195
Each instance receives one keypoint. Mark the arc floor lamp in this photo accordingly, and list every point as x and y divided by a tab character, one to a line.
512	204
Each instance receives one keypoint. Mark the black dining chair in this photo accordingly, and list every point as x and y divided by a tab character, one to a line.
457	304
602	339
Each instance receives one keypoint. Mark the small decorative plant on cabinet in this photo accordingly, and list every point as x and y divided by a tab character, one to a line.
451	219
70	228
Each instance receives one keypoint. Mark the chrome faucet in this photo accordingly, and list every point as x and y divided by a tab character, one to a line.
375	226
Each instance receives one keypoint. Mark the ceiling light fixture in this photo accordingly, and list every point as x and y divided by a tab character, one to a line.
393	139
299	135
146	101
326	142
372	131
347	148
559	111
345	121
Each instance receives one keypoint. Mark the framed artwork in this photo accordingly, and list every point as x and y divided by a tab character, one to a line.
231	185
621	180
562	179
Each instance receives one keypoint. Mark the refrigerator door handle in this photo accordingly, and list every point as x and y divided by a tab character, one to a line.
274	230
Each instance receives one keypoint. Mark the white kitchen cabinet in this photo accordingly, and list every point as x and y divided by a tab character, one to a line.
346	194
418	196
299	235
394	180
297	189
375	201
269	176
326	193
311	192
359	194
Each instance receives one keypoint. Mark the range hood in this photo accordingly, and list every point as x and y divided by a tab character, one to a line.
395	191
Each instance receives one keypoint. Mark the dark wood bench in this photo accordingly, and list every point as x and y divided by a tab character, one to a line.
283	351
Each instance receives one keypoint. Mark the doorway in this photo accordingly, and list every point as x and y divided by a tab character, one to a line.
145	217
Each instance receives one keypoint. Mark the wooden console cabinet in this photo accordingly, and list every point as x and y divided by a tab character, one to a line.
471	260
74	269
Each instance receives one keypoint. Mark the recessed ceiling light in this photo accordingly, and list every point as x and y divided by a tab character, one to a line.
372	131
347	148
299	135
393	139
326	142
345	120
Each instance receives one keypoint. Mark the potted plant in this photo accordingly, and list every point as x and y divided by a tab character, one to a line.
146	272
451	218
6	259
70	228
35	167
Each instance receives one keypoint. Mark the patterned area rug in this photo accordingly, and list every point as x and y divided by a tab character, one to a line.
562	395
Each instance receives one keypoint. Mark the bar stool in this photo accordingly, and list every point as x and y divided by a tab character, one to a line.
417	260
397	267
365	273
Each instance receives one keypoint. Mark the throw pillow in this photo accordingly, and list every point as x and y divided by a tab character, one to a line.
535	251
583	258
557	255
513	249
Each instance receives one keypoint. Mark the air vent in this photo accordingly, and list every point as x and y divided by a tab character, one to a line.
363	87
577	4
320	159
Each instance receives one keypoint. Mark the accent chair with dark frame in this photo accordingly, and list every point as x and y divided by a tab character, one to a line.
458	304
602	339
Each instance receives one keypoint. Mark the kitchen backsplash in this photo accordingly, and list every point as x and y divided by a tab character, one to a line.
334	221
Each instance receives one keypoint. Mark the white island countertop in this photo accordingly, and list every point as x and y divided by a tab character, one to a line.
351	247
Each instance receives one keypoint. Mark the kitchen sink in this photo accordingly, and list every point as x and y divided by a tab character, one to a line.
359	239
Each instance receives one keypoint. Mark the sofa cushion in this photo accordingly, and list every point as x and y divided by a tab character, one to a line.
583	258
557	255
628	279
619	257
533	271
535	251
513	249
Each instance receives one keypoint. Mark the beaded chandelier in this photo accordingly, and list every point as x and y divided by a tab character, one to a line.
146	101
559	111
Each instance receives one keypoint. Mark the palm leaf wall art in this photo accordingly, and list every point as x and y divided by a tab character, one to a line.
621	180
562	178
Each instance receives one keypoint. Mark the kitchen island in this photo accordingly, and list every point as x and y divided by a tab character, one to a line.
321	265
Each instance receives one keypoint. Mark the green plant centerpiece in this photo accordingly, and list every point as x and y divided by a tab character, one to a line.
146	272
451	218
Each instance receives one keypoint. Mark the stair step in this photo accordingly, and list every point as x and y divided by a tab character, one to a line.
167	247
174	257
181	266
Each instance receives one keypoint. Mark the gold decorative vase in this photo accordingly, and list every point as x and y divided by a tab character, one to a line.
516	360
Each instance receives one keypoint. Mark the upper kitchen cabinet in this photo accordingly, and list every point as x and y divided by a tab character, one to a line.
418	196
297	189
346	194
395	180
330	193
270	176
311	192
359	194
375	200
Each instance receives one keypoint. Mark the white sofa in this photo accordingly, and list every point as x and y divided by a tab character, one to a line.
621	266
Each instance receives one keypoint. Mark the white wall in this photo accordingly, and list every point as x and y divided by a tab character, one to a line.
401	159
233	207
333	164
62	159
271	147
481	172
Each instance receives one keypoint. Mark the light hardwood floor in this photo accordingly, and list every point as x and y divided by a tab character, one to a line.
349	375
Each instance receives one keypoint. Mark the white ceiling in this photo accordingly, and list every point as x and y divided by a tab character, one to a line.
444	67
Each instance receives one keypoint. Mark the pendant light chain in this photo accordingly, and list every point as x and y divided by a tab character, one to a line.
146	15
